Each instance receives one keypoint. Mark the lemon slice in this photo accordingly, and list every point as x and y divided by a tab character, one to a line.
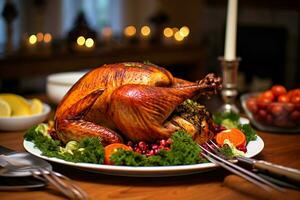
36	106
5	110
19	106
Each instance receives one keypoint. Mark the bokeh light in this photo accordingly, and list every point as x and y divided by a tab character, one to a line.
89	43
178	37
168	32
40	36
184	31
107	32
145	31
32	39
130	31
47	38
80	40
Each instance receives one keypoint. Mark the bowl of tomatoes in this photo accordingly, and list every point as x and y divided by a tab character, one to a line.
276	109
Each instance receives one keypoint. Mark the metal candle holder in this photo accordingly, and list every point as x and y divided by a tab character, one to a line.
229	90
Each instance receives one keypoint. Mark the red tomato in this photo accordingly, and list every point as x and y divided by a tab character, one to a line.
267	95
262	113
295	116
251	105
289	107
278	90
295	99
269	119
283	98
263	103
277	109
294	92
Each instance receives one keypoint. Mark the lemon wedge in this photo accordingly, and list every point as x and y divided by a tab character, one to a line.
36	106
19	106
5	110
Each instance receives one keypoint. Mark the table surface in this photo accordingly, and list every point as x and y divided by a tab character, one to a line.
280	148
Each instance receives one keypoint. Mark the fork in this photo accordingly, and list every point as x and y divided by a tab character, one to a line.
59	181
65	186
279	170
214	157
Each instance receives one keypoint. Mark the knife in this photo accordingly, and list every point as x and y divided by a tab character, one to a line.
271	168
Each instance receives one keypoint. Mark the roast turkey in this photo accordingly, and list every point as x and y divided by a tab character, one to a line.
132	101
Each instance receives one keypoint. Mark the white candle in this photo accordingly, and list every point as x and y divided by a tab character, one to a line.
231	23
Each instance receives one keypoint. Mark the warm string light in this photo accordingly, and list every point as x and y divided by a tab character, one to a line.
32	39
168	32
40	37
47	38
89	42
145	31
80	40
178	34
129	31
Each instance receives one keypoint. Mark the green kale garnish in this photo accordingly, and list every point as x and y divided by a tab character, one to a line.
89	150
226	151
183	151
249	132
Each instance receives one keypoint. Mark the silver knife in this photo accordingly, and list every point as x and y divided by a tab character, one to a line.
279	170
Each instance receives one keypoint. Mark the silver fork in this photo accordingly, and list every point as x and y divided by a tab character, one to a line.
59	181
213	157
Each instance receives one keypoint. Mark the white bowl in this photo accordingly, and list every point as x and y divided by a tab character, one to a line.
59	84
24	122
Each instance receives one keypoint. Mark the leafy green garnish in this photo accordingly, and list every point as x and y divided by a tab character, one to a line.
226	151
220	117
249	132
183	151
89	150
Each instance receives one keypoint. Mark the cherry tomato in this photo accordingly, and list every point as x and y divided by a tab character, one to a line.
269	119
252	105
294	92
289	107
283	98
295	116
278	90
295	99
277	109
263	103
267	95
111	149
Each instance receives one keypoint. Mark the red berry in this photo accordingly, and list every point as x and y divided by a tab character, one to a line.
162	143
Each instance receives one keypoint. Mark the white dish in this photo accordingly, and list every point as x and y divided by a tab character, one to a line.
254	148
59	84
24	122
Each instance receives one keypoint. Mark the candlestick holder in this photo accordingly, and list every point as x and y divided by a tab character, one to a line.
229	91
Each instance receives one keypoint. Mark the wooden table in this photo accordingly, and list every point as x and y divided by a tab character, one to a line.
280	148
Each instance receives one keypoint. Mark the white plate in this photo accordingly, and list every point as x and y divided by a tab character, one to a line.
254	148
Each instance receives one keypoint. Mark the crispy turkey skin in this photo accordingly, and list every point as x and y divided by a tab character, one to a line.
131	100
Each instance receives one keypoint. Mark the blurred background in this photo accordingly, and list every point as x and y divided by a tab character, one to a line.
42	37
